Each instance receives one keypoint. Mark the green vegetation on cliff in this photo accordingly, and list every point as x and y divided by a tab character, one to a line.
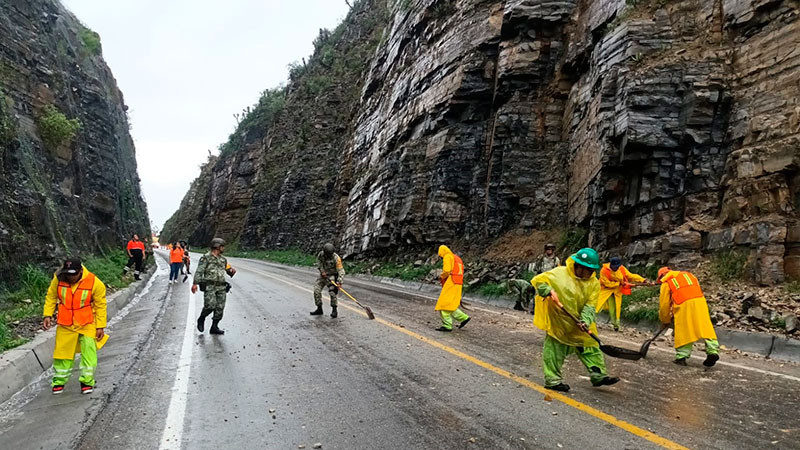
55	128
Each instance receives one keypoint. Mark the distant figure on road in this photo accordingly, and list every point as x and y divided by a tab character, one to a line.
577	288
175	262
187	260
524	293
210	278
545	262
135	256
81	300
331	274
616	281
682	299
452	281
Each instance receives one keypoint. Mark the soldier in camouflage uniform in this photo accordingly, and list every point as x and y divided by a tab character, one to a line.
546	262
330	269
210	277
524	292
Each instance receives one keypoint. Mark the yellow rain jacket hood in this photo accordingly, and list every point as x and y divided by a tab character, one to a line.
575	294
692	319
450	297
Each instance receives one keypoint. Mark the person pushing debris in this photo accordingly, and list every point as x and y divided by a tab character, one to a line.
452	280
331	275
615	280
81	300
210	278
524	293
682	300
577	288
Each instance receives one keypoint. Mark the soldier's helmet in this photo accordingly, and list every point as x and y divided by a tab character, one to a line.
550	246
328	249
217	243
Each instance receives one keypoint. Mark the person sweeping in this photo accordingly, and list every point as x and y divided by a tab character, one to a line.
615	280
683	302
452	280
576	287
81	301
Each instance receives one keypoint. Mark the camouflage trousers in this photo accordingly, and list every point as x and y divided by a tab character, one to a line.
214	301
332	290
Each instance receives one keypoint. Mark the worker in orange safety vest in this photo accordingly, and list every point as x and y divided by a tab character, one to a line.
682	300
81	301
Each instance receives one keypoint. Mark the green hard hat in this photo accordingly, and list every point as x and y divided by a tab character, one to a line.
587	257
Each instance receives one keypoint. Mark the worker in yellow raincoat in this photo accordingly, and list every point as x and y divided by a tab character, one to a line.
683	301
81	300
452	280
577	288
615	280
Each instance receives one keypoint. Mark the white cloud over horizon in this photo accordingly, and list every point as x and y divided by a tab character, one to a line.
186	67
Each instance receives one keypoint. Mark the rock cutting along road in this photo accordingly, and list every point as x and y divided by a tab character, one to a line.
281	379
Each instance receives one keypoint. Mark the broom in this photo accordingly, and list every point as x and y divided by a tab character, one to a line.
366	308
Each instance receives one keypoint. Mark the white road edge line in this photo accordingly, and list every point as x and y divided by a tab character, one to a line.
173	430
472	306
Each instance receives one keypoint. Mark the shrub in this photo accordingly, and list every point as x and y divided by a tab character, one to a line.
294	257
729	265
572	240
490	289
54	127
91	40
108	268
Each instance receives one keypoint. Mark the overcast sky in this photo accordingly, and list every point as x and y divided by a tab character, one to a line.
186	66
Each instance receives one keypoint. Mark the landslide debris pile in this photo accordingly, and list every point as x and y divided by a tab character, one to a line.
68	179
668	130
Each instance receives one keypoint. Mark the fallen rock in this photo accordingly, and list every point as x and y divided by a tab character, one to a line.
317	445
755	312
791	323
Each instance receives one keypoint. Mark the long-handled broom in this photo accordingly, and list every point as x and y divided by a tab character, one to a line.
610	350
366	308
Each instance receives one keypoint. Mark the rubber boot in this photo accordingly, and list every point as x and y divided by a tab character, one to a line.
518	306
317	312
215	329
560	387
201	323
334	314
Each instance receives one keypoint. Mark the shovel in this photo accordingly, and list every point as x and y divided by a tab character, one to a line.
366	308
646	345
610	350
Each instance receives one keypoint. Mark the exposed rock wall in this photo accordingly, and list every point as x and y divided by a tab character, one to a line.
67	196
668	129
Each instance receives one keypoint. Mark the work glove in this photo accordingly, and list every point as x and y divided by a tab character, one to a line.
543	290
202	287
228	287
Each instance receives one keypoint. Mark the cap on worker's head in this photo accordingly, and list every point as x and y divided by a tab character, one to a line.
328	249
587	257
615	263
663	271
217	243
550	246
72	266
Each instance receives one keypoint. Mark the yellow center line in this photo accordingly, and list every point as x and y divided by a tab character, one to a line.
633	429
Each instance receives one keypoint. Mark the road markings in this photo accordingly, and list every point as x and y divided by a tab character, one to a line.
633	429
173	431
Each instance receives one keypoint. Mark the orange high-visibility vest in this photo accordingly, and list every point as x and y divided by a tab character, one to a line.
683	286
75	308
457	275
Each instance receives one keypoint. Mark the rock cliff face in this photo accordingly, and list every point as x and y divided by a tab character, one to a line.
68	181
668	129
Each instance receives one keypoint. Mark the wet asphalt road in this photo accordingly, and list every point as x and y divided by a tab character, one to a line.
281	379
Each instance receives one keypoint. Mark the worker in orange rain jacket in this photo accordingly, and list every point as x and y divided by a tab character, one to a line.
615	280
81	300
683	301
452	280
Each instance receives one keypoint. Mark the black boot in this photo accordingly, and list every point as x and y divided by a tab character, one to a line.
560	387
317	312
201	323
518	306
215	329
334	314
711	360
